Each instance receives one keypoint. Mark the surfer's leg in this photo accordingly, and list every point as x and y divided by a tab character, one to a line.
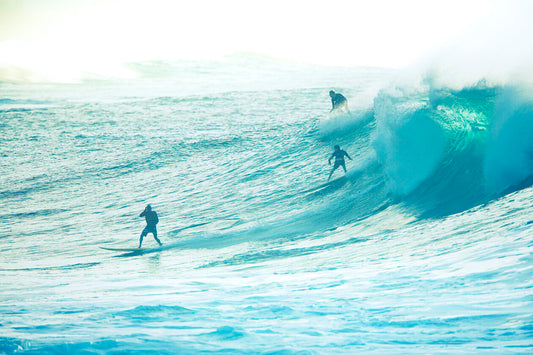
331	173
154	232
335	166
143	234
343	164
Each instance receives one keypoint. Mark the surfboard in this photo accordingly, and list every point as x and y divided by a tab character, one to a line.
335	183
124	249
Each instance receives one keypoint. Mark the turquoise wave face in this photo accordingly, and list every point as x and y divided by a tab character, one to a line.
453	148
509	156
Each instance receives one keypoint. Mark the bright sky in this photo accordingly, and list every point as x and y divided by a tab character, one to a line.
60	37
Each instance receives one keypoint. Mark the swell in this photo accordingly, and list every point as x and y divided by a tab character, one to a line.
7	101
91	142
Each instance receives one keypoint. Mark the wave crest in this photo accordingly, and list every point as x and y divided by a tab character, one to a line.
454	147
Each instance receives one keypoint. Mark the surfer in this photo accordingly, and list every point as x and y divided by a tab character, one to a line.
338	154
338	102
151	221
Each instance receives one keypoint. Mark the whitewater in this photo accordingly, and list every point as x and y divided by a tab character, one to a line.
423	247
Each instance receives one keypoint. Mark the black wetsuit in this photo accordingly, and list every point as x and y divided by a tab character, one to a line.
339	158
338	154
151	222
338	101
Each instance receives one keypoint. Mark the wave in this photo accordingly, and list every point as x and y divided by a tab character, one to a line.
57	267
337	124
451	149
148	313
509	157
7	101
8	105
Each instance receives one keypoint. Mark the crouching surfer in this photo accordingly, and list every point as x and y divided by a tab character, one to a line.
338	102
151	222
338	154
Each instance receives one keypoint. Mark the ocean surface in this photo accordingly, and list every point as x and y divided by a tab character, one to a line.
423	247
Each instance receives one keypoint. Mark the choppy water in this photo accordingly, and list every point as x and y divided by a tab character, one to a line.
425	246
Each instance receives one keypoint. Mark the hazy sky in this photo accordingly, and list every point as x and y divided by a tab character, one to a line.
63	35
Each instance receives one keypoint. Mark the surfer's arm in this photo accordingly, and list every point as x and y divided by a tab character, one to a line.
347	156
329	160
143	213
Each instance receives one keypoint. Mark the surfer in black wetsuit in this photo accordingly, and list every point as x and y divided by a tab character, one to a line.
338	154
338	102
151	221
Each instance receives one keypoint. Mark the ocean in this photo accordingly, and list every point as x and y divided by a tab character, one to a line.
424	246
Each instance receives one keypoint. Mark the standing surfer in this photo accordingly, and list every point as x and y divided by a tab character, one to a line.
151	222
338	102
338	154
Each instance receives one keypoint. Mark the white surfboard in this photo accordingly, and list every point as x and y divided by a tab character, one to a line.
124	249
